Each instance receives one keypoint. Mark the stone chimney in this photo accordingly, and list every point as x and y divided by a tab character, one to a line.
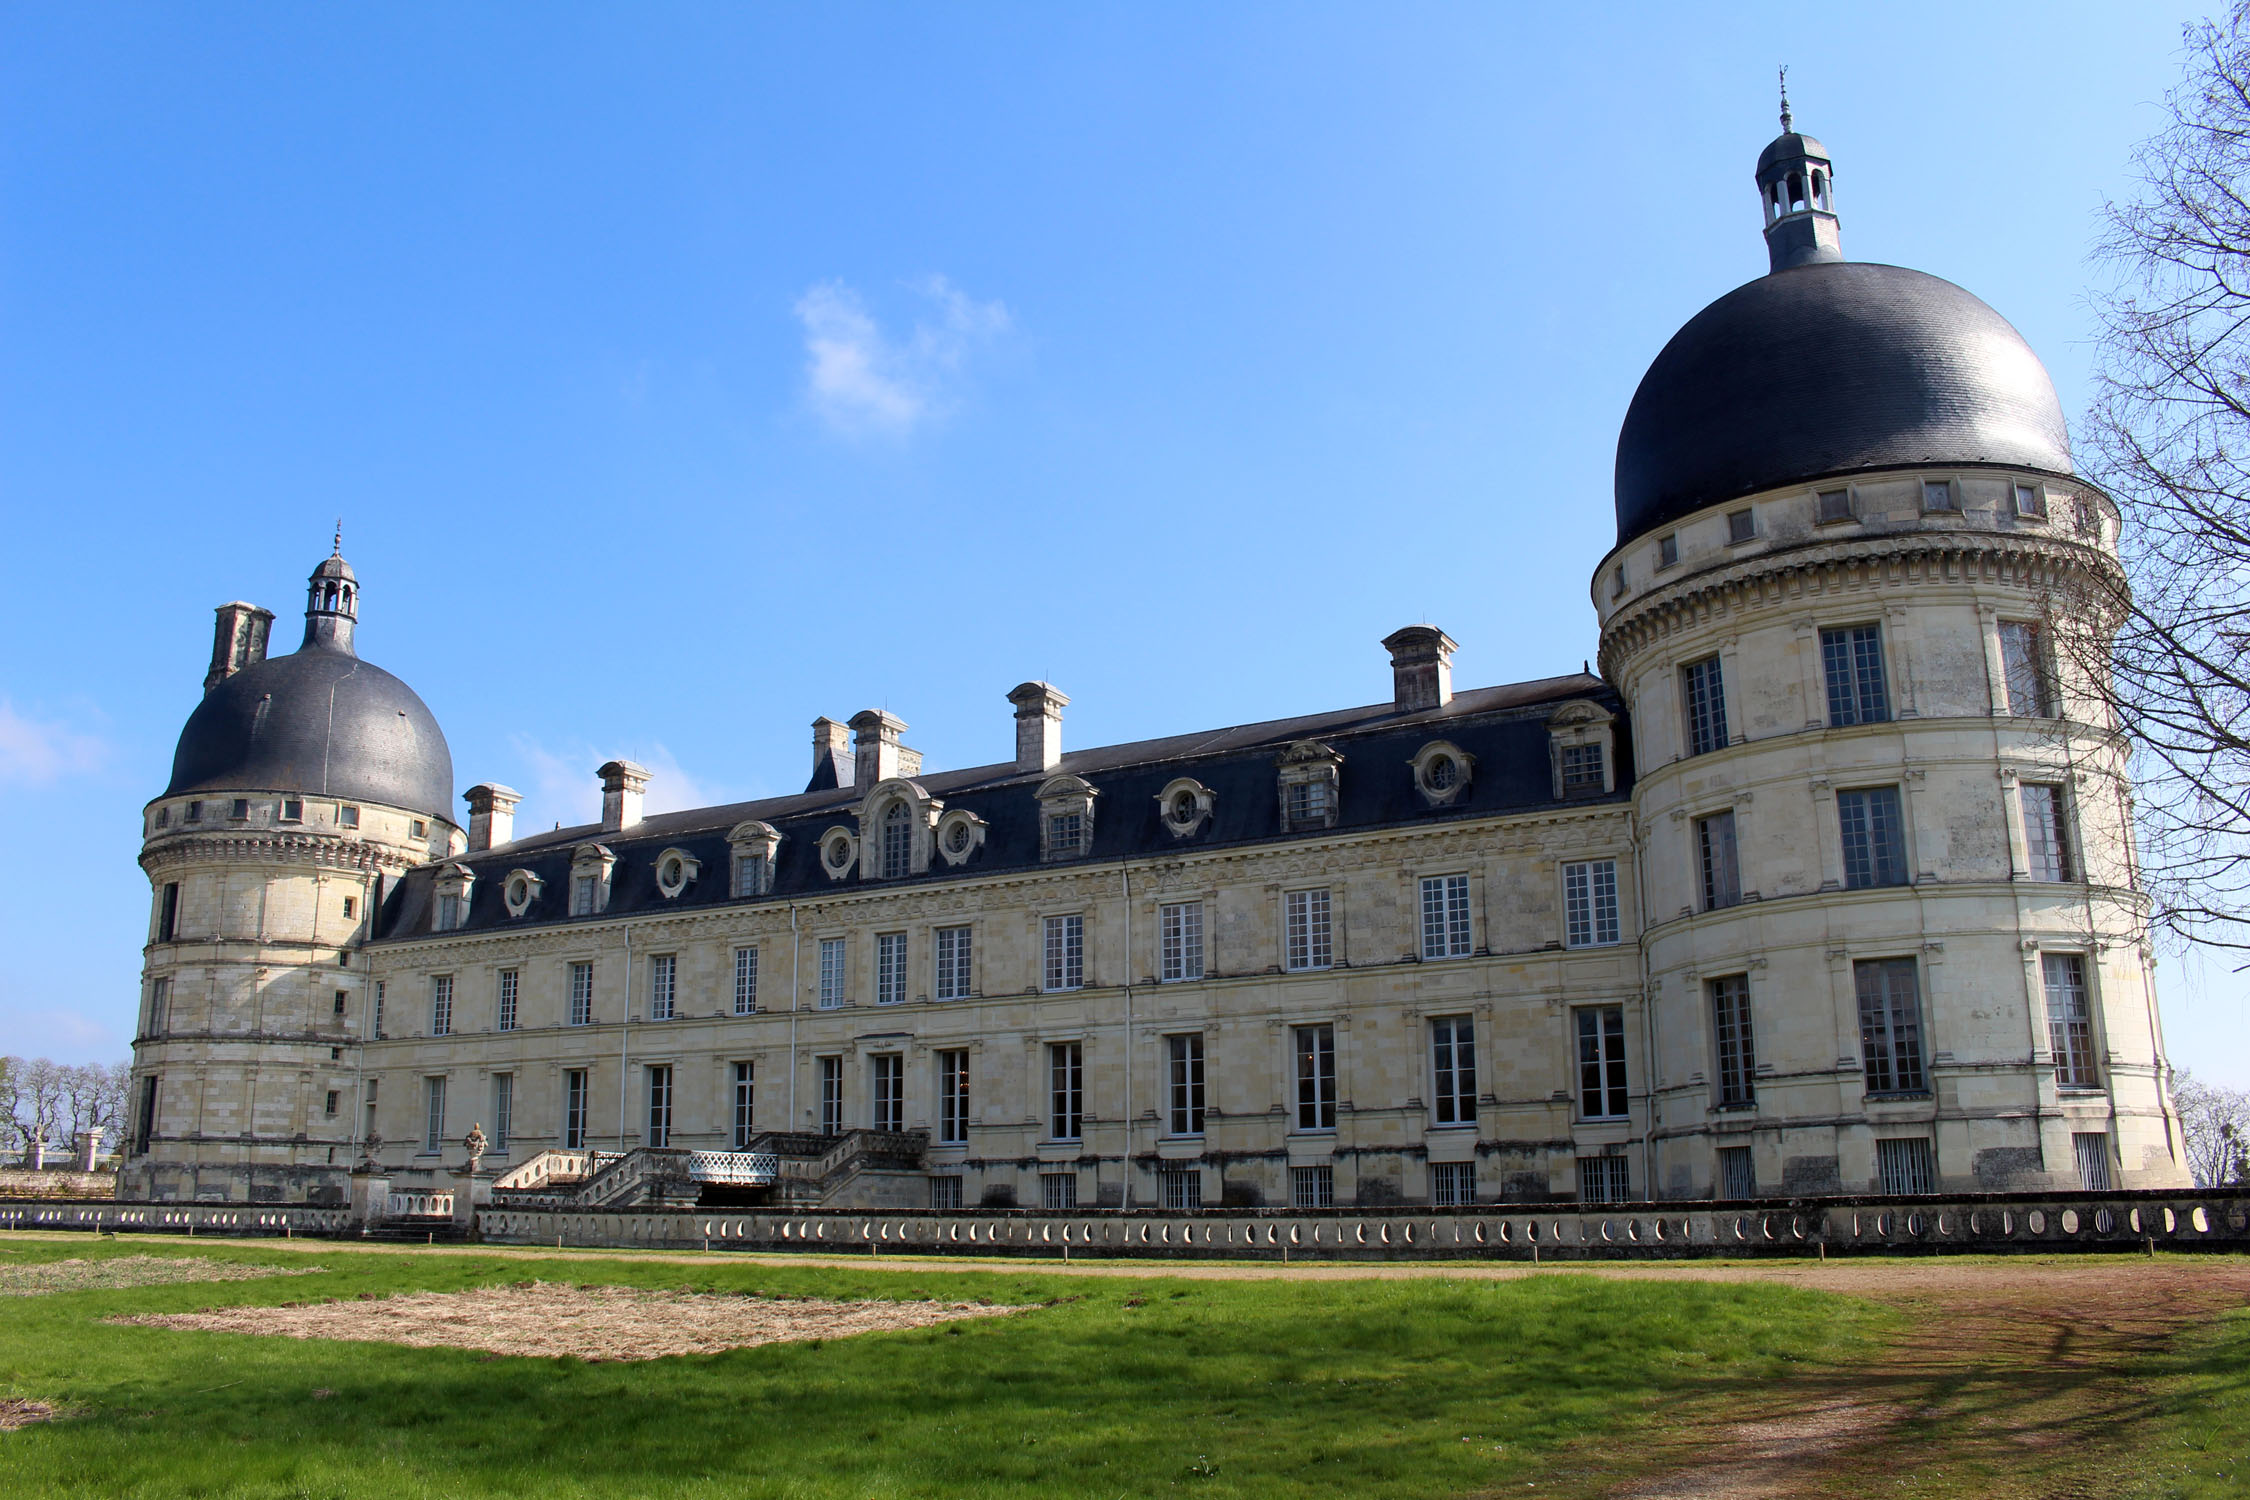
1039	707
875	746
239	641
1421	667
622	785
492	813
831	756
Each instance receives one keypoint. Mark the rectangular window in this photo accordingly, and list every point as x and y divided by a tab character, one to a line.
745	981
328	1107
351	907
1721	862
1730	1028
1445	916
945	1193
1066	1091
195	812
663	986
292	809
1703	697
2046	838
504	1012
418	829
952	962
1179	933
831	973
241	808
159	1001
1874	836
2031	501
1453	1058
831	1096
660	1105
2025	670
433	1115
1937	494
2070	1020
1604	1179
1058	1191
1834	505
1309	935
503	1111
581	994
168	912
1852	658
1307	803
1601	1062
1182	1185
1905	1166
582	895
1667	550
347	816
574	1110
745	1101
753	875
367	1111
2092	1150
1453	1184
377	1018
953	1098
890	1091
1742	526
1890	1024
1312	1187
448	912
1066	952
890	967
1316	1077
1184	1083
898	842
1582	770
1738	1173
1066	835
1590	903
441	1005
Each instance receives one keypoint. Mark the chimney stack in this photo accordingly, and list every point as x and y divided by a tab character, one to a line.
1421	667
875	748
831	756
492	814
622	785
239	641
1039	707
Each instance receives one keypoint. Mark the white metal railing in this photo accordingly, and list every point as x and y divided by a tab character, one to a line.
734	1168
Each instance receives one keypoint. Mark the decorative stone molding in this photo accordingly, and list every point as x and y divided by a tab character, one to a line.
519	891
839	849
591	866
960	834
753	847
1442	771
913	805
676	870
1575	726
1185	806
1308	781
1066	817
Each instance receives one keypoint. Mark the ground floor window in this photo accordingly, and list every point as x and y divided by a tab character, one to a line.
1183	1187
503	1111
745	1095
574	1110
1058	1190
1603	1179
1453	1184
945	1194
660	1105
433	1133
890	1091
831	1096
1738	1174
1905	1166
1312	1187
2092	1149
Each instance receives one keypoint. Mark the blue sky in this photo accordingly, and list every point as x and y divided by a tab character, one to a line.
681	373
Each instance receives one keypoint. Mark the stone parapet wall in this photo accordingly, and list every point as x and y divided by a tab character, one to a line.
23	1182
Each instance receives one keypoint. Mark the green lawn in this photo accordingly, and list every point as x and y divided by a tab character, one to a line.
2197	1441
1115	1386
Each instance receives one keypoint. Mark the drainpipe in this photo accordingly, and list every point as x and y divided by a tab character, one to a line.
1648	1001
796	995
1125	1199
624	1041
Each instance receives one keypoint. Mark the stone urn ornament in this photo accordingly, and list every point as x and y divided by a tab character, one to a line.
372	1149
475	1142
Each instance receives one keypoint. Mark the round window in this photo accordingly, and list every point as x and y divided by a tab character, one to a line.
1183	808
838	854
1442	773
957	838
670	875
519	894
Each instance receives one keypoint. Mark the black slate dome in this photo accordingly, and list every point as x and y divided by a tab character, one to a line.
320	722
1827	367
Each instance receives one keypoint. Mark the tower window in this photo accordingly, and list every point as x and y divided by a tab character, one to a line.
2031	502
164	817
292	809
1667	551
241	809
1937	495
347	816
1742	526
1704	700
1833	506
1852	659
1874	837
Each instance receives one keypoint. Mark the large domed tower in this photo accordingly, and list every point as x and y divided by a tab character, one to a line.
301	784
1893	938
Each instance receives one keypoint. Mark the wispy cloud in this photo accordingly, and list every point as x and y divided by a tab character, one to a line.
35	752
559	785
863	382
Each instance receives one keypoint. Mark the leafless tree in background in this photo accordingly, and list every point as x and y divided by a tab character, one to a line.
53	1102
2216	1125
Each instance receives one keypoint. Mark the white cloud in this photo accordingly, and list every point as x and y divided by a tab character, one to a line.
863	382
35	752
561	786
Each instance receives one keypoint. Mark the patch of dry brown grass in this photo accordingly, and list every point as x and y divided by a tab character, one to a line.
118	1271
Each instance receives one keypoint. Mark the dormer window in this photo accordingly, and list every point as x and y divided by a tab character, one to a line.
754	846
1582	744
838	851
1937	495
2030	502
960	833
676	869
1066	817
895	822
898	842
1308	783
591	866
1583	768
452	884
419	829
1441	772
519	891
1185	805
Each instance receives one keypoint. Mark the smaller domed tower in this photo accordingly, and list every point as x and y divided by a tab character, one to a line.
301	785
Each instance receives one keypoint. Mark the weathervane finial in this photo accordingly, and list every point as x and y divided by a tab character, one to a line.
339	549
1786	127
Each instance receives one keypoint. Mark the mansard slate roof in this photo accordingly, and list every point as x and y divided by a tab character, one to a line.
1504	730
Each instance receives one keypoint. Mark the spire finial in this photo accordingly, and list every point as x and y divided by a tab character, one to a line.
339	549
1785	125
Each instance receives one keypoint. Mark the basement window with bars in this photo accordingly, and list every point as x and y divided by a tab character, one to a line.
1453	1184
1312	1187
1182	1186
1905	1166
1604	1179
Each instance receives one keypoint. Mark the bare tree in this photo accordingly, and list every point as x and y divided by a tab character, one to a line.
2169	437
2215	1123
30	1102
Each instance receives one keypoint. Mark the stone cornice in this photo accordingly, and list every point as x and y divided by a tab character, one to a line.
326	851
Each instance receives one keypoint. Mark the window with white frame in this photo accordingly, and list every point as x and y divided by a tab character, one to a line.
1873	829
1604	1179
1181	1184
347	816
1065	946
745	981
953	1098
159	1001
1308	776
1601	1063
659	1082
2046	835
441	1005
452	885
1179	935
376	1021
581	994
1703	704
1582	770
1308	937
1590	903
663	986
1066	817
1066	1091
519	890
676	870
1719	860
898	842
1183	1083
574	1110
1851	657
1316	1076
945	1193
1453	1071
1066	835
889	1080
503	1111
952	977
752	846
1441	772
2030	501
831	973
1453	1184
292	809
1890	1025
745	1080
2070	1020
2026	670
1312	1187
505	1009
433	1116
1308	804
1736	1048
831	1096
1445	916
1058	1191
890	967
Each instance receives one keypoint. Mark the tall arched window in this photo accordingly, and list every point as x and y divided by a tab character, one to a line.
898	842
